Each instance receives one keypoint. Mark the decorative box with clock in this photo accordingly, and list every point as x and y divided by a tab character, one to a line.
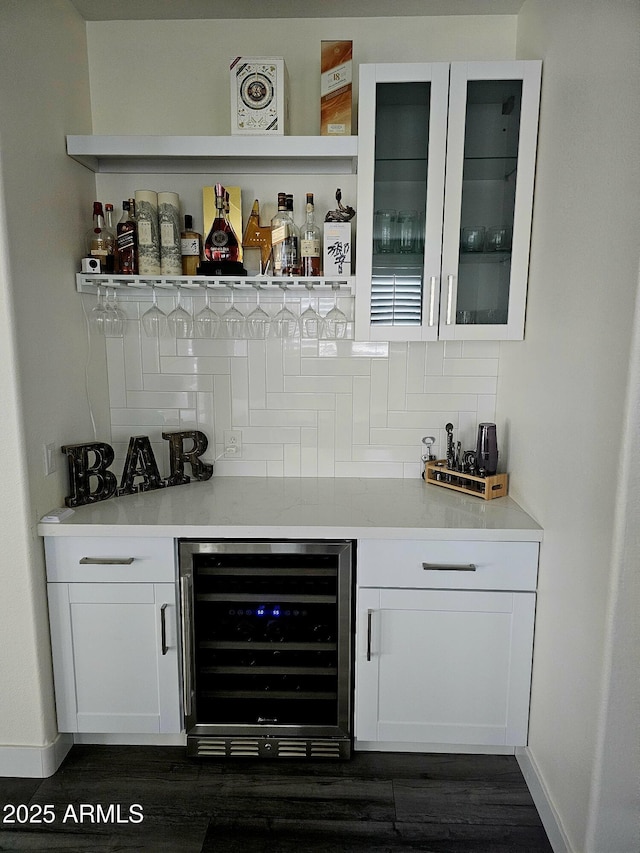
258	95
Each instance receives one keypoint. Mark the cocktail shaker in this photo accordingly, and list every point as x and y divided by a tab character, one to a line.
487	450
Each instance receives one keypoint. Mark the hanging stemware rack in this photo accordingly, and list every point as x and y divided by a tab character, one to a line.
140	287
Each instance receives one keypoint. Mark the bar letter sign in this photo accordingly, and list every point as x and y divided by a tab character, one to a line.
91	480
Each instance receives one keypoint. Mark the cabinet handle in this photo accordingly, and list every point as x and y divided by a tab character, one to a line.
185	609
369	630
106	561
432	298
449	567
450	279
163	628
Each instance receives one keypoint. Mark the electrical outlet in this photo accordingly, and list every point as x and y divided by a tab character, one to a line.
233	443
50	458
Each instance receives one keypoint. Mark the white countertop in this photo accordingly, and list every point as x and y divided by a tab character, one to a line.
302	508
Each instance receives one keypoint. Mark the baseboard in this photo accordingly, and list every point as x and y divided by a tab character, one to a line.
34	762
462	748
538	790
131	739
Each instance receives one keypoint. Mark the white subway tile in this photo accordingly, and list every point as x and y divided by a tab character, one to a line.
301	401
201	365
161	399
471	366
178	382
318	384
397	376
481	349
239	392
145	417
280	417
326	444
362	410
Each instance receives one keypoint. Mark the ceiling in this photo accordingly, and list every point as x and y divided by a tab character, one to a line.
163	10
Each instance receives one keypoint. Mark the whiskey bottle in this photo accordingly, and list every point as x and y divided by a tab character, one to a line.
291	259
127	239
279	231
191	247
221	243
310	242
110	238
96	246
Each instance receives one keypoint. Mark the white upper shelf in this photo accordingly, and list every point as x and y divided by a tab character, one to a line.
332	155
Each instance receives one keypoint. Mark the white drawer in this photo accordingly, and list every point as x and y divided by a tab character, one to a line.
94	559
422	564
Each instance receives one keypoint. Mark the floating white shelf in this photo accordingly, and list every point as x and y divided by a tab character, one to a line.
194	154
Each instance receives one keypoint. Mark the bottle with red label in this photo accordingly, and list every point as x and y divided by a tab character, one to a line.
222	242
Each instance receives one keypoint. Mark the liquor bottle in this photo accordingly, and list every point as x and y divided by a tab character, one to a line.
169	227
96	246
110	238
127	239
291	265
310	242
148	232
191	247
222	243
279	230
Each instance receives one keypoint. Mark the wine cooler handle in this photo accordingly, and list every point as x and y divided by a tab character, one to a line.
106	561
449	567
163	629
432	298
185	611
369	632
450	279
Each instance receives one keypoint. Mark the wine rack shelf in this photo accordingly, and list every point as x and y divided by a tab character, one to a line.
141	285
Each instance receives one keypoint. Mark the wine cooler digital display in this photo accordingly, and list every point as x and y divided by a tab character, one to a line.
267	628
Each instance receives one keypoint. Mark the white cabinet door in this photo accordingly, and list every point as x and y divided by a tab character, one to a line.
115	657
443	666
465	276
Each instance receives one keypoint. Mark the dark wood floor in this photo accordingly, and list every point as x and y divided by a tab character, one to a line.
376	802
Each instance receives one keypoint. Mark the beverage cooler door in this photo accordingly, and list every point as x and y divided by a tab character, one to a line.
401	162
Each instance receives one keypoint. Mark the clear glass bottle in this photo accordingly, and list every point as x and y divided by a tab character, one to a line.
110	238
291	260
96	246
279	232
191	247
310	264
222	242
127	239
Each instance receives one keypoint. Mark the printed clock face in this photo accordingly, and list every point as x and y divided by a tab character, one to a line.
257	91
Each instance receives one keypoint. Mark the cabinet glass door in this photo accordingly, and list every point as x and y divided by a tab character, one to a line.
488	200
400	189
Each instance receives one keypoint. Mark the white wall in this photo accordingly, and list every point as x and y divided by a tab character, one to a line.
45	197
563	390
304	408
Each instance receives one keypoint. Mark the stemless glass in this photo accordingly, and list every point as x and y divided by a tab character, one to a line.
310	321
285	324
334	325
179	320
258	321
114	317
233	321
154	321
206	321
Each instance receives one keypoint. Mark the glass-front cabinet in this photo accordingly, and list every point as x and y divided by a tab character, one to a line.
445	191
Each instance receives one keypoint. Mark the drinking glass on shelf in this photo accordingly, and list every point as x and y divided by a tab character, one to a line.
384	231
233	321
334	326
179	320
154	321
206	321
310	321
114	318
407	231
97	314
285	324
258	321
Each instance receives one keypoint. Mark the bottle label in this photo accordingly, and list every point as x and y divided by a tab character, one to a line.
279	234
144	232
219	239
167	234
310	248
190	246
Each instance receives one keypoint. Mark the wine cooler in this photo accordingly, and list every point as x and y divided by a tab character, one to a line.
267	647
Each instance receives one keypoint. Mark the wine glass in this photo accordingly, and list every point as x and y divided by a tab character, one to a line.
310	321
233	320
258	321
285	324
97	317
207	322
179	320
335	321
154	321
114	318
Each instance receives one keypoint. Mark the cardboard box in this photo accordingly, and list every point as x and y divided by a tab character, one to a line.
336	74
259	102
235	212
337	248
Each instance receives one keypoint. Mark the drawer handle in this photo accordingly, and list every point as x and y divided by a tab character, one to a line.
451	567
163	629
106	561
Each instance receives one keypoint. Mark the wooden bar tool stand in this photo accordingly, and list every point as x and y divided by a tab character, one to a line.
486	488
